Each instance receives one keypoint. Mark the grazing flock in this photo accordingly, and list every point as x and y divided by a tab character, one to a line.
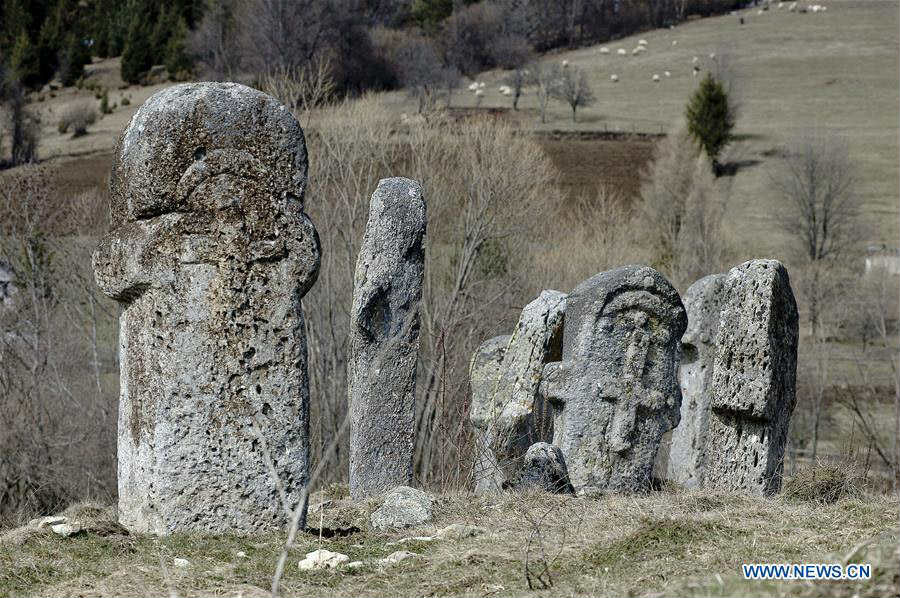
643	46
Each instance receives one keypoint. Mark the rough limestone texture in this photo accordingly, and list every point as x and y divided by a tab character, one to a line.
484	371
615	392
687	449
507	412
209	255
7	286
753	380
544	468
384	339
403	507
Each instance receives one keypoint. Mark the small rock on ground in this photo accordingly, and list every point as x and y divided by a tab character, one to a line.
396	557
323	559
66	529
403	507
181	563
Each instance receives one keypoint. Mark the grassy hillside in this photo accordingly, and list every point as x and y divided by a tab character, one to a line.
687	543
837	71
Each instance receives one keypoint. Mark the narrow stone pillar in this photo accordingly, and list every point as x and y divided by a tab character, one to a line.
384	339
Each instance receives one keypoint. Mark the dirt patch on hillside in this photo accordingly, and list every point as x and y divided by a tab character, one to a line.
81	173
587	161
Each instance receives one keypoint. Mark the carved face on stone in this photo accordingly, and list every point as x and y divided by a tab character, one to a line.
616	390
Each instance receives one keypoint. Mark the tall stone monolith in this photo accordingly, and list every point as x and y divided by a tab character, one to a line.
507	412
753	380
209	255
687	449
384	339
615	392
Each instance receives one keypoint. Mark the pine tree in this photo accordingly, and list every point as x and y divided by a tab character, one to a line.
176	56
24	64
710	117
137	56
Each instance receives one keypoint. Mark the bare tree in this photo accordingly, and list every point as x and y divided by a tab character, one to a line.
573	89
280	34
545	77
422	71
816	183
214	43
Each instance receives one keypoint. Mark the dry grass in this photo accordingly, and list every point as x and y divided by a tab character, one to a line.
688	543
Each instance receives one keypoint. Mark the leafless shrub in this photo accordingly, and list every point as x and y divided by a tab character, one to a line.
683	207
825	483
77	117
57	414
301	88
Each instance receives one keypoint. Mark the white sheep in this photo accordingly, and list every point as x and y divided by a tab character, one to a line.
479	93
792	7
695	60
642	42
667	74
473	86
604	50
504	89
674	42
481	84
621	52
639	50
759	12
655	78
614	78
565	63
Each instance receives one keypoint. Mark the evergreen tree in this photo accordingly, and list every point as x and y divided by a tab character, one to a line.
24	64
137	55
74	55
710	117
176	56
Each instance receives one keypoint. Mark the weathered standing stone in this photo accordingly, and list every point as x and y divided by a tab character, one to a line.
210	254
544	467
507	412
384	339
615	392
687	450
753	381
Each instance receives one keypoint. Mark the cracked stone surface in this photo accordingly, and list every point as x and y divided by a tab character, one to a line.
209	255
753	380
615	392
507	411
384	339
